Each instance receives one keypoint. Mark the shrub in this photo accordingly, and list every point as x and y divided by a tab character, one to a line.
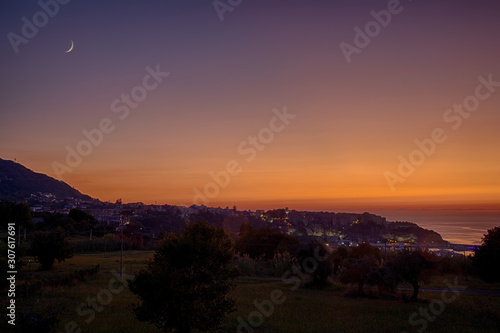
247	265
316	260
282	262
187	283
487	257
48	247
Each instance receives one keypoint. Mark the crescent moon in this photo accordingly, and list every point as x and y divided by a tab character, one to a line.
71	48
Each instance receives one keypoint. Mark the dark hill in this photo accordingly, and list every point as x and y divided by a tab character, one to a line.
17	183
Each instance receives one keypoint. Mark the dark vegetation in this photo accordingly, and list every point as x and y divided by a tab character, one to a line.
48	247
264	242
161	222
187	284
487	257
358	264
18	213
316	261
76	221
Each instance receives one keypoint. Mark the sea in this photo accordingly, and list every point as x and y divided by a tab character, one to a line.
457	227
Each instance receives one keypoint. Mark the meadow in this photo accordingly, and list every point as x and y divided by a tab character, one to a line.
301	310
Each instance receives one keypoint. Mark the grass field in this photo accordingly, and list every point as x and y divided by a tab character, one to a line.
302	310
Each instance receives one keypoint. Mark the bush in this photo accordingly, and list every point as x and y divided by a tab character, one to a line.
282	262
359	265
187	283
415	267
316	260
247	265
487	257
50	247
264	242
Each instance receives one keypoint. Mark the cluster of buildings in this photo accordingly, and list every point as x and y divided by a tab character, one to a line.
333	228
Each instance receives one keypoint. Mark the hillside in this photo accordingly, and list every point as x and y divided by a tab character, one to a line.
17	183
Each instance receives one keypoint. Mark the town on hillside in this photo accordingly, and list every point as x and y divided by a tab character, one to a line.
332	229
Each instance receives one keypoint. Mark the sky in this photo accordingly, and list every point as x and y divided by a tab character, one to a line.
320	105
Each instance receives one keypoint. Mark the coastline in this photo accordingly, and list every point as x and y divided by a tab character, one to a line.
455	227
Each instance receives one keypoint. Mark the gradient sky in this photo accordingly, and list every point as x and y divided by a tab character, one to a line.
353	120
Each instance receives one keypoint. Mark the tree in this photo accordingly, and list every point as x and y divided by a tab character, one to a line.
487	257
186	285
264	242
413	267
18	213
48	247
358	271
359	264
385	279
365	249
83	220
316	260
339	255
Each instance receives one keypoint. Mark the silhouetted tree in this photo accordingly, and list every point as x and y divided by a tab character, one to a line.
245	228
359	264
18	213
48	247
413	267
211	218
316	260
339	255
186	285
384	278
264	242
487	258
83	220
52	221
358	271
365	249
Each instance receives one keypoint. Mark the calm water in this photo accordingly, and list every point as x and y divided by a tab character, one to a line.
456	227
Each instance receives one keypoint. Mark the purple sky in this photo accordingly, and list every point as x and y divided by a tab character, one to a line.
353	120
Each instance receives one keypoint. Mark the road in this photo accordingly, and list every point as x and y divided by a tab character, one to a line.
464	291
